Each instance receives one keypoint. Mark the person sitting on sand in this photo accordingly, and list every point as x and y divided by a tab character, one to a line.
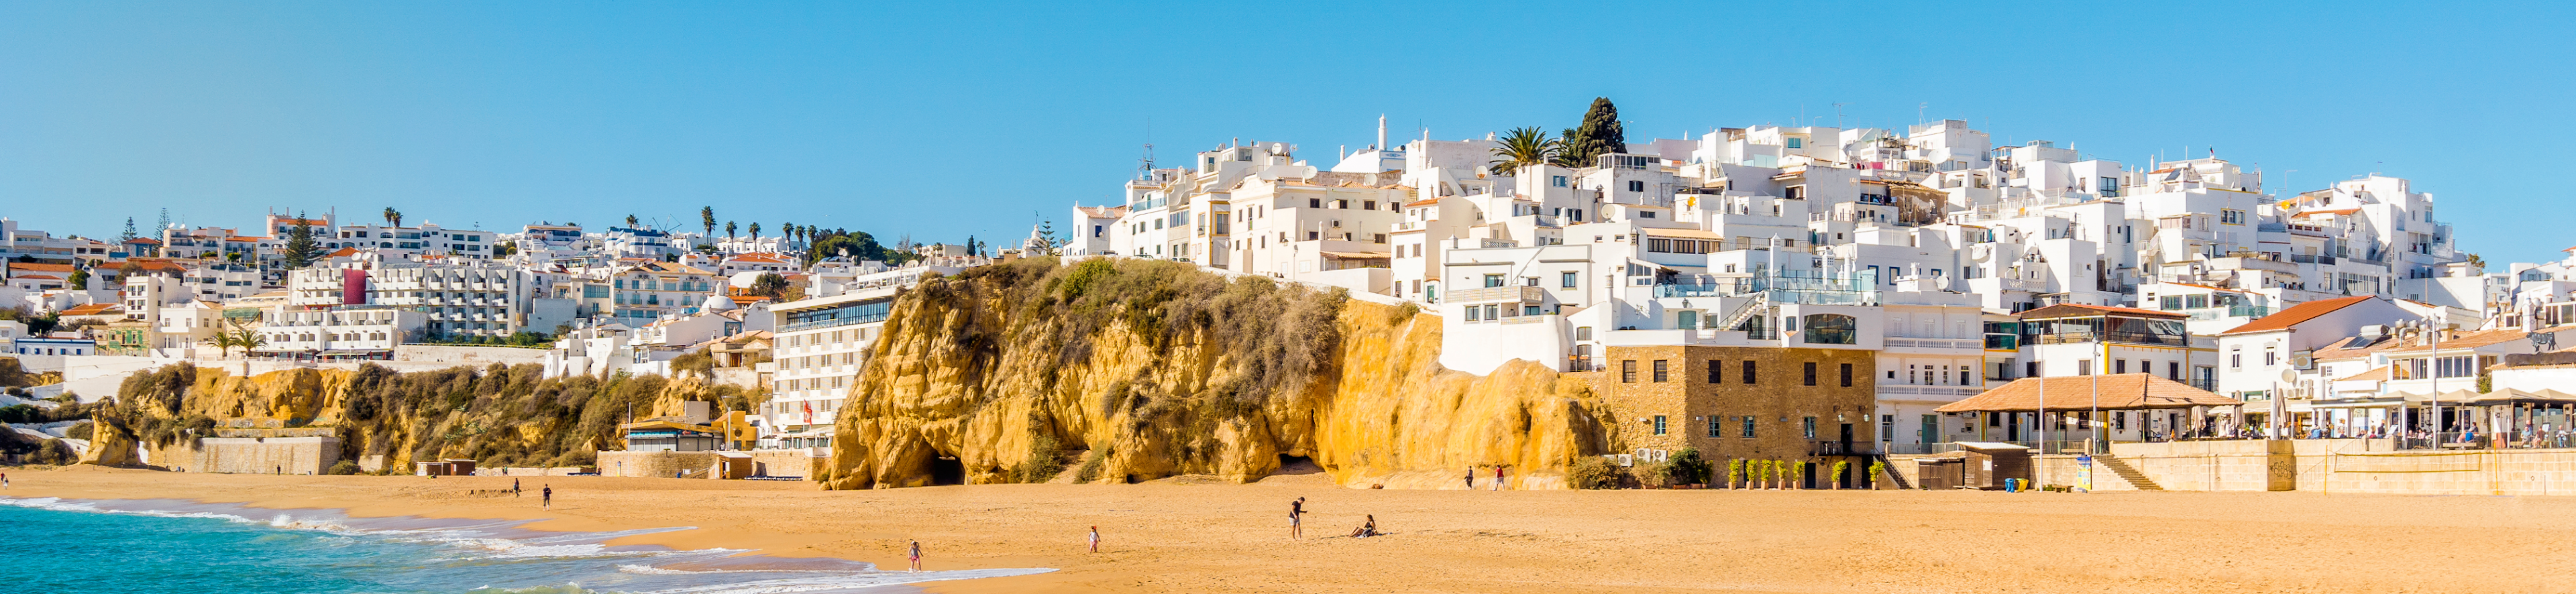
1366	530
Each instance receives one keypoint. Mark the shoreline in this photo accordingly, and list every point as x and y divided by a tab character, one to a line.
1182	537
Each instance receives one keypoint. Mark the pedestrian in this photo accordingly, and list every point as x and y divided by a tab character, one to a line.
916	555
548	497
4	481
1095	539
1296	513
1498	478
1471	478
514	487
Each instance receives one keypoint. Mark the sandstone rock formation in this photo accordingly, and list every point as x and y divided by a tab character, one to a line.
1129	370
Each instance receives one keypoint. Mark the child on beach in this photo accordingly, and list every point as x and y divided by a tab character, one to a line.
1095	539
916	555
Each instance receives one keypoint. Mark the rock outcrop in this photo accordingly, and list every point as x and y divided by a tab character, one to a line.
499	415
1126	370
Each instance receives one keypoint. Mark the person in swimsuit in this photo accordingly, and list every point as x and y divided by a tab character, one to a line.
1366	530
916	555
1095	539
1296	512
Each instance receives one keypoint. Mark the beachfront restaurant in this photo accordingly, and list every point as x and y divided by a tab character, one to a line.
2071	414
661	435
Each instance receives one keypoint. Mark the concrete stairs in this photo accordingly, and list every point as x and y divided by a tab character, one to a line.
2122	469
1893	477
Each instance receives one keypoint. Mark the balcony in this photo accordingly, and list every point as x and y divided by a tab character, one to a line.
1932	343
1524	294
1841	448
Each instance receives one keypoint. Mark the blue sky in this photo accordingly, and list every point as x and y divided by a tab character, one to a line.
941	120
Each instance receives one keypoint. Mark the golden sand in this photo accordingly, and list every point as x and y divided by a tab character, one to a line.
1177	536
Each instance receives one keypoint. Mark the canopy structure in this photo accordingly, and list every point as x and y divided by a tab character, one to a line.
2495	398
2126	391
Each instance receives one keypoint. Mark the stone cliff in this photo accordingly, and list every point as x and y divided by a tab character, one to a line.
1126	370
503	416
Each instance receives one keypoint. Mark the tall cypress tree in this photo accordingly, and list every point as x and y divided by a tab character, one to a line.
1600	134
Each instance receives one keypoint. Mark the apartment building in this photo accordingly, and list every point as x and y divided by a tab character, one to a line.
820	346
347	332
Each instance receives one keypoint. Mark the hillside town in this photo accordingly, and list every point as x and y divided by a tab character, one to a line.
1765	291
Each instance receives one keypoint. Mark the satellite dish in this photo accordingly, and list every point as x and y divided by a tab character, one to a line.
2289	376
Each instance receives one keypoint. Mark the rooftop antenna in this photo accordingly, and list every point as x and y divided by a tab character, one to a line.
1838	114
1145	165
1918	112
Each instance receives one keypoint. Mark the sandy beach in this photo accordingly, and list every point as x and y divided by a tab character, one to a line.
1182	535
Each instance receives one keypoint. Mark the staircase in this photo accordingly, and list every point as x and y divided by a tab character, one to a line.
1893	477
2137	480
1735	319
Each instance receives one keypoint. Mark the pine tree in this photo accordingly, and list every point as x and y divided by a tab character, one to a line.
301	250
165	221
1599	135
129	231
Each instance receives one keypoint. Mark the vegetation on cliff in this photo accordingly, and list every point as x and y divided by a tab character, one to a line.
499	415
1137	369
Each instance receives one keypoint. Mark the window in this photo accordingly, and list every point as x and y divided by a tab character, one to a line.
1748	427
1847	373
2231	217
1368	205
1471	312
1661	375
2236	358
2084	367
1796	142
1808	426
1529	281
1493	280
1636	186
1811	373
1716	372
2119	366
1659	424
1830	329
1628	371
2271	357
1566	280
1556	180
1714	423
1749	379
2173	370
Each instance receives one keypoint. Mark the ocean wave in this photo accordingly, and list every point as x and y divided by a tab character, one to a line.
458	548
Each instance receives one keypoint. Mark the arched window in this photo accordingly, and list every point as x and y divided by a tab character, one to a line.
1831	329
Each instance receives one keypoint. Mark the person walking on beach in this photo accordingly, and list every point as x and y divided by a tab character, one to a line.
1471	478
549	497
1095	539
4	481
1296	513
916	555
1498	478
514	487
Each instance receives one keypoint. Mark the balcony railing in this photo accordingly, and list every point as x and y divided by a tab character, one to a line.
1841	448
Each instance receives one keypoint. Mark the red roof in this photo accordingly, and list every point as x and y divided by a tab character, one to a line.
2297	314
344	252
41	267
93	309
2070	310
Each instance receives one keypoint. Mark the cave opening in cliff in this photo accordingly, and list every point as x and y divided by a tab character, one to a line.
1297	465
947	470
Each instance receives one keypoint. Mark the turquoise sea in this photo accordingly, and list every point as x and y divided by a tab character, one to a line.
123	546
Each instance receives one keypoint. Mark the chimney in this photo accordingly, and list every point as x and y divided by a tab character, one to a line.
1381	131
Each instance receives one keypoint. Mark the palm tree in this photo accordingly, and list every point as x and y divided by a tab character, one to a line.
630	221
393	218
707	216
787	231
729	228
1523	147
755	230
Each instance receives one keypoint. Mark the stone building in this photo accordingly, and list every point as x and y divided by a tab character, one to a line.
1806	405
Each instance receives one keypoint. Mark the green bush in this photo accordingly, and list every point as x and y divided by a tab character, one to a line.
55	452
1840	467
1045	460
1091	463
1686	467
1653	475
344	467
1876	469
1735	472
1592	472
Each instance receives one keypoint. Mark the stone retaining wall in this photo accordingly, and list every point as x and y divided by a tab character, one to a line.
264	455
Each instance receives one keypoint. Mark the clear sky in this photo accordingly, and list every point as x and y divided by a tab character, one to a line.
944	119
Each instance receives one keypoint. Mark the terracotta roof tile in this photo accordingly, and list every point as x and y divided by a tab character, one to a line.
2297	314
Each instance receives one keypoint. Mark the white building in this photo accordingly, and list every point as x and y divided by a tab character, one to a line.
822	343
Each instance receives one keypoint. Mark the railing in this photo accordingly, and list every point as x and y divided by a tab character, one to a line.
1507	293
1893	448
1931	343
831	323
1841	448
2003	342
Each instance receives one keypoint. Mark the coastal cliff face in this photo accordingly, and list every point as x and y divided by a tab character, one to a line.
503	416
1126	370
